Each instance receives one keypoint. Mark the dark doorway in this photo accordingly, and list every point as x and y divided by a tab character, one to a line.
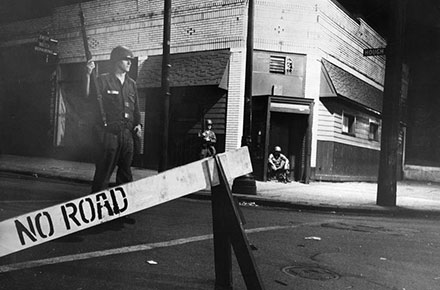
285	122
189	108
289	130
27	90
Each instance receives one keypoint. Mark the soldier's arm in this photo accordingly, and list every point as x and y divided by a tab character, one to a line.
213	137
90	66
137	114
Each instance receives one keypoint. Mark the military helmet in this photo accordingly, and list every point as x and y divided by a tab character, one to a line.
277	149
120	53
208	122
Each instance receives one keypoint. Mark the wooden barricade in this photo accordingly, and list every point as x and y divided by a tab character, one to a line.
215	173
228	230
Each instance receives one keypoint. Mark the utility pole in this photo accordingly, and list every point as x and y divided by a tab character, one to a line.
246	184
386	189
247	124
166	66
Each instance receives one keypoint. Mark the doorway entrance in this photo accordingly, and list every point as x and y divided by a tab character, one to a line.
288	130
285	122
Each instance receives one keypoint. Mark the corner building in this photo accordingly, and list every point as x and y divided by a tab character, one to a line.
314	93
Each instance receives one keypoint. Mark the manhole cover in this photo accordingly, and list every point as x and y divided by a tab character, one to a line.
312	272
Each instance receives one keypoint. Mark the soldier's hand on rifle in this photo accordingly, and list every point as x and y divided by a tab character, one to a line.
90	66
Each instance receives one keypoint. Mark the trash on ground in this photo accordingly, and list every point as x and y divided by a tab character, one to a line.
281	282
312	238
151	262
244	203
383	259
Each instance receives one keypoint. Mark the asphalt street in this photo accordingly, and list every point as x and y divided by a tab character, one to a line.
170	246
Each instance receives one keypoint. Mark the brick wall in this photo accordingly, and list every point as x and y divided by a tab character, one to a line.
287	26
196	25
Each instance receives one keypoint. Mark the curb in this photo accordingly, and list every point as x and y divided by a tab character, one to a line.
45	175
255	201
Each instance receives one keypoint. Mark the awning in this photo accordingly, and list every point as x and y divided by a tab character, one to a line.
338	83
290	108
187	69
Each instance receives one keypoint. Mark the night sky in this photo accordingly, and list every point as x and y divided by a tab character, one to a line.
374	12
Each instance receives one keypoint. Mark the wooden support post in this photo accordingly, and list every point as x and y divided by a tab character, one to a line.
222	241
228	230
387	179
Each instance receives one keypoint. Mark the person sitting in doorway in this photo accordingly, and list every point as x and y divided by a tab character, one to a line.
278	166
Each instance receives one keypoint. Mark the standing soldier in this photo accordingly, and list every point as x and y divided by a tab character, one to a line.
208	141
119	119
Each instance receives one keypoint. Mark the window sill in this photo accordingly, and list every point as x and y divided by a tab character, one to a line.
349	134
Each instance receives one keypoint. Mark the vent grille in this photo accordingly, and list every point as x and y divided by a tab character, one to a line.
277	64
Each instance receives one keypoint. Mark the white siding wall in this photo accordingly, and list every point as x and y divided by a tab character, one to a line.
361	130
342	41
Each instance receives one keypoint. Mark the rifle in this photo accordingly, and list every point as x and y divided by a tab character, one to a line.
93	74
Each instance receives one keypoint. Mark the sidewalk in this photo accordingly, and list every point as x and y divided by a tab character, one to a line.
413	197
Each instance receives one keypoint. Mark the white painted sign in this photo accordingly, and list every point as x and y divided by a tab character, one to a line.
47	224
45	50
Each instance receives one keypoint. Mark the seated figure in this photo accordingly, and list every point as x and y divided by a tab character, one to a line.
278	166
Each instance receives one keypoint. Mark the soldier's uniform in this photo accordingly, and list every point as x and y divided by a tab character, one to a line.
209	139
115	141
278	165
